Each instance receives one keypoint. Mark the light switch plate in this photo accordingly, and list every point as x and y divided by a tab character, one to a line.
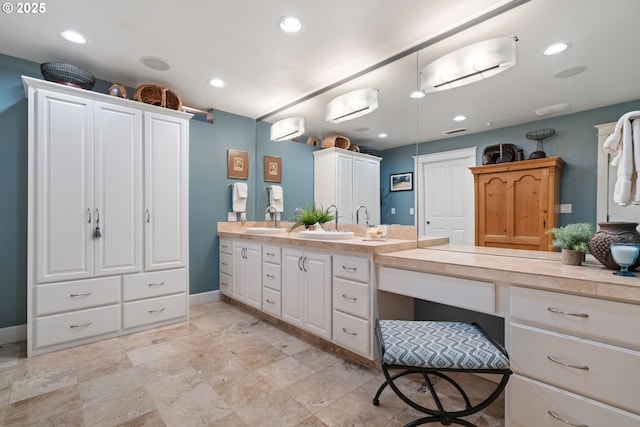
565	208
231	217
410	211
393	211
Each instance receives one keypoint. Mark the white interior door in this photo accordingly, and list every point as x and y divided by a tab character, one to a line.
447	207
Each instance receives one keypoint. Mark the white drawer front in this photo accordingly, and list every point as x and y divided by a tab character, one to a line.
603	372
153	310
149	285
272	254
225	284
225	246
529	403
61	328
351	297
351	332
271	302
351	268
271	276
607	321
225	263
76	295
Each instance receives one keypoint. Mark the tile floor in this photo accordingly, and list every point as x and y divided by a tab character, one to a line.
224	367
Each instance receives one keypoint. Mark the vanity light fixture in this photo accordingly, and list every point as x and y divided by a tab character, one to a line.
290	24
73	37
470	64
351	105
555	49
287	129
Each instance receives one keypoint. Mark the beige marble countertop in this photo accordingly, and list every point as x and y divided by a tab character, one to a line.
542	270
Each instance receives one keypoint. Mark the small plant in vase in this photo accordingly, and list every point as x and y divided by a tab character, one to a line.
309	217
573	239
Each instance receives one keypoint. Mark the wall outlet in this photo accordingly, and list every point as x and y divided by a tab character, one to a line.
410	211
231	217
565	208
393	211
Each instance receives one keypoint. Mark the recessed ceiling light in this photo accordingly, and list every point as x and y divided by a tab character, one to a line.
155	63
417	94
73	37
459	118
290	24
382	135
216	83
555	49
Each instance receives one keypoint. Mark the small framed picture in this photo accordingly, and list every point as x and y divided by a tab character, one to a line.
238	164
401	181
272	169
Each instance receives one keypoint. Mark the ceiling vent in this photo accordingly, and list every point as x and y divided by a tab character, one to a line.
454	131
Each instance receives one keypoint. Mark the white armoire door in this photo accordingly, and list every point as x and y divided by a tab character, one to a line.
366	189
344	189
166	191
118	189
63	187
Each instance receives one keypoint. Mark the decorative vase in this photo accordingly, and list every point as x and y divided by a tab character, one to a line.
613	232
571	257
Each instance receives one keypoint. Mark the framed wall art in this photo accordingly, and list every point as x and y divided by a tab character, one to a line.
238	164
401	181
272	169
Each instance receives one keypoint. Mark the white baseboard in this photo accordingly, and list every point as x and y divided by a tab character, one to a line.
17	333
13	334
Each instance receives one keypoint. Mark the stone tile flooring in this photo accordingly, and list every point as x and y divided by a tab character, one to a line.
224	367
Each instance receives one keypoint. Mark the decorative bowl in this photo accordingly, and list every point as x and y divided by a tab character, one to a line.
68	74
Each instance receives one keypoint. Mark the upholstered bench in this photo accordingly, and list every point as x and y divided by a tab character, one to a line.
434	348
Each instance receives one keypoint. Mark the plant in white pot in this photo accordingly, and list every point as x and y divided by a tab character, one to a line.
573	239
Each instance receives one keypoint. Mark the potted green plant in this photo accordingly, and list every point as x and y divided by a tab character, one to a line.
573	239
309	217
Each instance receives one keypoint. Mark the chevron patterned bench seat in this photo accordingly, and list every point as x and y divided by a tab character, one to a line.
432	349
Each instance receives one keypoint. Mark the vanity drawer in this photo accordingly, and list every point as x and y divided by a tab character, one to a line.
607	321
351	268
603	372
530	403
61	328
149	285
76	295
272	254
351	297
271	276
225	263
225	284
153	310
271	302
351	332
225	246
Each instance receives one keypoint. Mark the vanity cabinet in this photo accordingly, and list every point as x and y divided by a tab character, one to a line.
574	358
94	220
247	273
348	180
306	290
272	280
225	267
517	202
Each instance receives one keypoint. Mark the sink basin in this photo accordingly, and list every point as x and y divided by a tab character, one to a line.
326	235
265	230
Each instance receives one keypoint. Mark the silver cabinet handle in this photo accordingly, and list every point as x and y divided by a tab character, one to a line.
85	294
223	284
89	214
345	296
350	268
82	325
223	263
299	261
270	254
555	310
348	332
160	310
270	302
270	276
567	364
559	418
303	267
148	216
155	285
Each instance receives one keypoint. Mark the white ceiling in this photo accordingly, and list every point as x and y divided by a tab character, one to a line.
265	69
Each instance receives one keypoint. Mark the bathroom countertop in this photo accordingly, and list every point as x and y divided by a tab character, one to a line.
534	269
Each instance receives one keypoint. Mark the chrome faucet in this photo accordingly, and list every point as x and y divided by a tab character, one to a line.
272	210
335	208
366	212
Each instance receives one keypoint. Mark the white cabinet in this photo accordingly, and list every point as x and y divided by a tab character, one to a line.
87	203
306	290
272	280
348	180
247	273
226	267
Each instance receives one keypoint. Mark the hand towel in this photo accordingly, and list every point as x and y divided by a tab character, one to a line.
240	192
275	198
625	141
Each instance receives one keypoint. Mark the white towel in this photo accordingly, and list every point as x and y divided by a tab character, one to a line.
276	199
625	141
240	192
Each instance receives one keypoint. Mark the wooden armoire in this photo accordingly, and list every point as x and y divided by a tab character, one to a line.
517	202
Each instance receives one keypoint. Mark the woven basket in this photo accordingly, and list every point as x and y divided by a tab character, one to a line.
68	74
158	95
336	141
313	141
